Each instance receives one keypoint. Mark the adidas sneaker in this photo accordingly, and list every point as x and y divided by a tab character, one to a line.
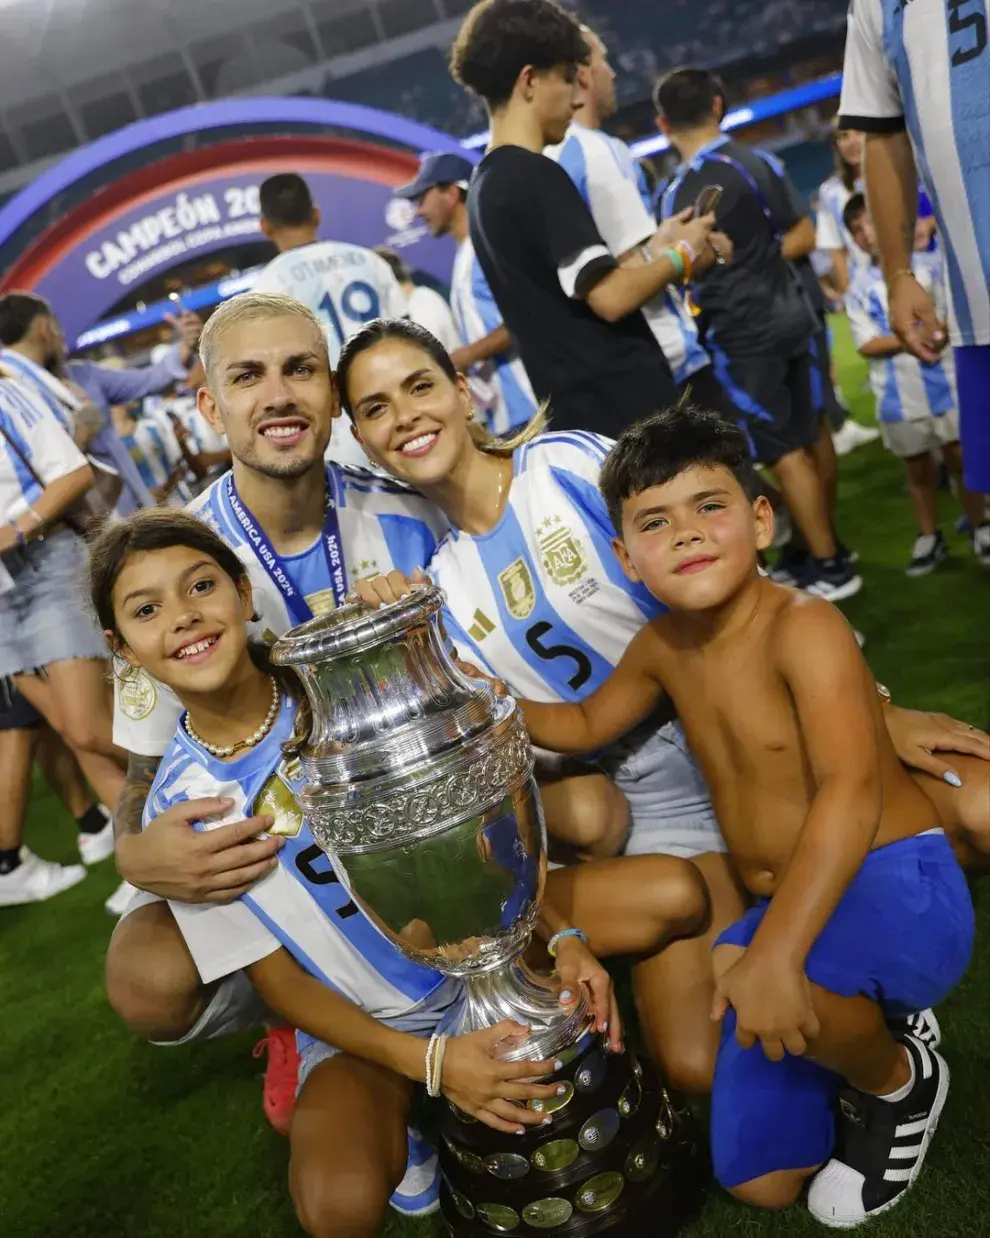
880	1145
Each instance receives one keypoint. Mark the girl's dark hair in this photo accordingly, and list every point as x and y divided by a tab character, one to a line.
655	450
499	38
409	332
161	528
844	170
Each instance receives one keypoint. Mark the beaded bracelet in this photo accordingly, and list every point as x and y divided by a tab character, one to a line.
559	937
435	1052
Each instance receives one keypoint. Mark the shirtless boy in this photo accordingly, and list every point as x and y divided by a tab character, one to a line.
862	914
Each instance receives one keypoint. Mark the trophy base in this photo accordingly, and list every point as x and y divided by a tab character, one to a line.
516	993
621	1158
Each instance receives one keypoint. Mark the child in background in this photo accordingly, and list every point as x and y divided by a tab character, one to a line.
862	913
915	402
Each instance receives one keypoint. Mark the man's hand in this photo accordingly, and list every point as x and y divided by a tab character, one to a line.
188	326
682	227
8	538
772	1001
914	320
919	736
173	860
718	249
385	589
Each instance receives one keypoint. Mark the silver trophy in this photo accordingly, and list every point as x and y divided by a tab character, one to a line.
420	788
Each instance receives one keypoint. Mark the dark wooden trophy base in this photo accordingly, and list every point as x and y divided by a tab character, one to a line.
621	1158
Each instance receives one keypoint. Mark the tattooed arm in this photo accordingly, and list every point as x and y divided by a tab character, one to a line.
172	859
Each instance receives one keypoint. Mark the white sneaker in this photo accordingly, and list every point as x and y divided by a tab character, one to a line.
116	904
36	879
96	847
981	544
851	435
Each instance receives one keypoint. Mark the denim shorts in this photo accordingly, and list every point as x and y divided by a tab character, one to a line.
46	617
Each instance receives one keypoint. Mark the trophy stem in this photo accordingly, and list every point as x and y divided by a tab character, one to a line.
514	992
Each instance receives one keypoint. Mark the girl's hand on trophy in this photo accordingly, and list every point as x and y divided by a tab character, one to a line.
494	1091
384	590
578	968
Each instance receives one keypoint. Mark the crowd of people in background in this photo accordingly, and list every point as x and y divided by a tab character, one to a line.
584	301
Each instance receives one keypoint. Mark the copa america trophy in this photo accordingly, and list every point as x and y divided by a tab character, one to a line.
420	788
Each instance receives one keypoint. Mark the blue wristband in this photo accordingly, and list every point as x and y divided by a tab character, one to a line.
559	937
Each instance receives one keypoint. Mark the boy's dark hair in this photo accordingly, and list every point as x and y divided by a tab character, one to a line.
400	269
388	329
653	451
160	528
500	37
853	209
18	310
686	97
286	201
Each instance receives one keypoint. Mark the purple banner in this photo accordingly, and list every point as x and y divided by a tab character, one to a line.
212	213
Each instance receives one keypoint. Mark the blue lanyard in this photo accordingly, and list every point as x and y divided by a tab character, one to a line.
752	183
274	564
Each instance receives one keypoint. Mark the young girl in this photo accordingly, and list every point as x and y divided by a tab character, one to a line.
175	601
536	596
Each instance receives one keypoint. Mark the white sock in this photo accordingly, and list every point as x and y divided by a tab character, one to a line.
904	1092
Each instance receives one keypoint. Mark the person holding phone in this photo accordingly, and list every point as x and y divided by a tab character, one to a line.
570	305
759	318
613	187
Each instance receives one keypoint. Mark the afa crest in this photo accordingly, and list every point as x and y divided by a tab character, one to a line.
562	552
517	589
278	801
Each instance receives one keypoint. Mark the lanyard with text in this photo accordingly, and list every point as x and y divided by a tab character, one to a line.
274	564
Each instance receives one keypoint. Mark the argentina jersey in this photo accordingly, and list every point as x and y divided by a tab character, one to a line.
614	189
344	285
501	385
302	905
35	448
926	67
383	525
541	600
905	389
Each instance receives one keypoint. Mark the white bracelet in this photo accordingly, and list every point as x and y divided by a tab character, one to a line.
438	1064
429	1066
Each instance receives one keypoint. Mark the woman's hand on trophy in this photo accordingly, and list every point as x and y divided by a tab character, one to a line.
578	968
494	1091
386	589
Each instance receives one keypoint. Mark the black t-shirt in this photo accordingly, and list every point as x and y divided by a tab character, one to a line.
758	303
540	251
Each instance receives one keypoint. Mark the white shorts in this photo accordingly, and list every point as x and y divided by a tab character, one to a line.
914	438
234	1007
667	794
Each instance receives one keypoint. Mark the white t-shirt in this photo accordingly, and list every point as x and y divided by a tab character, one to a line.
302	905
613	188
926	67
430	310
383	525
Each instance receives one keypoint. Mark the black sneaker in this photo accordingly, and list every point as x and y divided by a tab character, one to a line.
880	1146
929	551
845	554
923	1026
790	567
832	579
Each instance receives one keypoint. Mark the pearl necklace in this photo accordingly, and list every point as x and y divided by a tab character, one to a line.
251	741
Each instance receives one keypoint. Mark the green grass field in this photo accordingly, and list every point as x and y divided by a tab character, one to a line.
103	1136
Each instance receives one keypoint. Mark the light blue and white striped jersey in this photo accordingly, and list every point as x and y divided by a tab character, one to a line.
926	66
541	599
302	905
383	525
830	231
905	388
42	441
501	385
613	187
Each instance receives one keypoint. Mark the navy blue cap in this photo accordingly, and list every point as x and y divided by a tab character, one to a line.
439	167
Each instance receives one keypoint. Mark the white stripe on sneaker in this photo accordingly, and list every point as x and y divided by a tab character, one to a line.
927	1065
905	1154
898	1175
911	1128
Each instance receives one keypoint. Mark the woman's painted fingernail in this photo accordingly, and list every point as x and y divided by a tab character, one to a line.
558	1064
521	1131
567	996
547	1120
562	1089
952	779
605	1025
